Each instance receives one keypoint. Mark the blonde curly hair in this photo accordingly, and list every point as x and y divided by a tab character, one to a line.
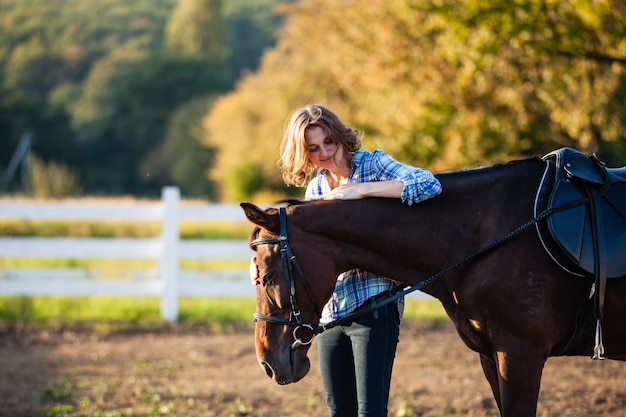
294	162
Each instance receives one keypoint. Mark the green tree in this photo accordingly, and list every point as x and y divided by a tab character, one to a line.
47	49
127	107
196	27
441	84
251	28
181	158
540	74
63	64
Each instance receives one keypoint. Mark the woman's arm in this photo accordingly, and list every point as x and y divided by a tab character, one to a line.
355	191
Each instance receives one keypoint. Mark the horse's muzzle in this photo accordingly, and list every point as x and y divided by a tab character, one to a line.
287	371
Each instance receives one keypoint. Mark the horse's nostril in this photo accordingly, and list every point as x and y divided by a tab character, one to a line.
268	370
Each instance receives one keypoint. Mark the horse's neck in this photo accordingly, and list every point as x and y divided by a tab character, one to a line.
411	243
378	235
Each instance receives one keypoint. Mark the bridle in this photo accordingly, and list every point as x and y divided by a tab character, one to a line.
289	263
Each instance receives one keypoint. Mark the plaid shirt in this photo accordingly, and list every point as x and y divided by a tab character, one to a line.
356	286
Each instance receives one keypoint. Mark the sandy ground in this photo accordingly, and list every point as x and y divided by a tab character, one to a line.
187	370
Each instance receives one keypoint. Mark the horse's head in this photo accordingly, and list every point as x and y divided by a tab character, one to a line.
287	304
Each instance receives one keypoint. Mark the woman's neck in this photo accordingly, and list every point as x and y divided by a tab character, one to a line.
337	177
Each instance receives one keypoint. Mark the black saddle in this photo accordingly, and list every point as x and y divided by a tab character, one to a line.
589	234
585	230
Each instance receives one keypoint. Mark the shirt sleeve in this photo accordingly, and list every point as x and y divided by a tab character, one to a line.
419	183
310	191
315	188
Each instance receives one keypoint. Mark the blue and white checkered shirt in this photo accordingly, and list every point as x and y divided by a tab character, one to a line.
356	286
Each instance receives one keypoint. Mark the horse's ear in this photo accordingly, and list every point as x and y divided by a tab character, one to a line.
260	217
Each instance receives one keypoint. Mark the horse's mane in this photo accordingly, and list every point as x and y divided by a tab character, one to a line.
485	170
472	172
289	202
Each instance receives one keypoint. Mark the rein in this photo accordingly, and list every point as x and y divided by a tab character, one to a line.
382	299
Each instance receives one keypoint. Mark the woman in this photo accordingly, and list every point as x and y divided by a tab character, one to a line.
356	359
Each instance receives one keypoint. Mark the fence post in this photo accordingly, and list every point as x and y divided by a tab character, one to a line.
168	262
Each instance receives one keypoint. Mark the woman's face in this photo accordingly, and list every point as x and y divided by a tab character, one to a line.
323	152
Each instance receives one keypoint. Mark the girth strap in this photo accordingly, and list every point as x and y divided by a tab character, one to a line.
599	255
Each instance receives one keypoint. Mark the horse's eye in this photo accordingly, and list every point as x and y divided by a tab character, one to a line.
268	279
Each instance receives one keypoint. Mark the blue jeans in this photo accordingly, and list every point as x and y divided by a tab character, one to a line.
356	362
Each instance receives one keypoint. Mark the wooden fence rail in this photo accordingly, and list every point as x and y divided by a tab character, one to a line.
167	249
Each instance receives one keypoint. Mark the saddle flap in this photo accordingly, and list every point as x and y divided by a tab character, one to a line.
571	228
616	199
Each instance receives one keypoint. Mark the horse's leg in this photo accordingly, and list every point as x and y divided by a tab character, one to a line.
519	379
491	373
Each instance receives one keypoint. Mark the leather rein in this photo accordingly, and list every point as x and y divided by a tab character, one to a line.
289	263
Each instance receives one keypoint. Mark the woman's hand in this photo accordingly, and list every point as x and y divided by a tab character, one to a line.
350	191
355	191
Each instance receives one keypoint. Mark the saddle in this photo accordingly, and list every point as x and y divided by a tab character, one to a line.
599	221
585	230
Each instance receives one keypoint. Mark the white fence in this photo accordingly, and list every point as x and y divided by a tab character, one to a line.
167	249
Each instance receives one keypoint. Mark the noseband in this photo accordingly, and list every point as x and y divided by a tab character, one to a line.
289	263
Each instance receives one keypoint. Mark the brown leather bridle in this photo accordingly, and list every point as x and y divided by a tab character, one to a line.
289	264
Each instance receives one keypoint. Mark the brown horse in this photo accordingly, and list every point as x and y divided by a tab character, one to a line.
512	304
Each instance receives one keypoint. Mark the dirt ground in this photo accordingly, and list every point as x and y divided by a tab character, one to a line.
187	370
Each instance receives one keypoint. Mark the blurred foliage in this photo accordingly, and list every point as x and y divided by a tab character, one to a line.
182	152
251	27
129	110
109	87
131	96
52	180
196	27
444	84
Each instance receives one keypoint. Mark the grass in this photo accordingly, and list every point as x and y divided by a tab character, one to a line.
122	229
219	312
42	309
424	309
119	265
